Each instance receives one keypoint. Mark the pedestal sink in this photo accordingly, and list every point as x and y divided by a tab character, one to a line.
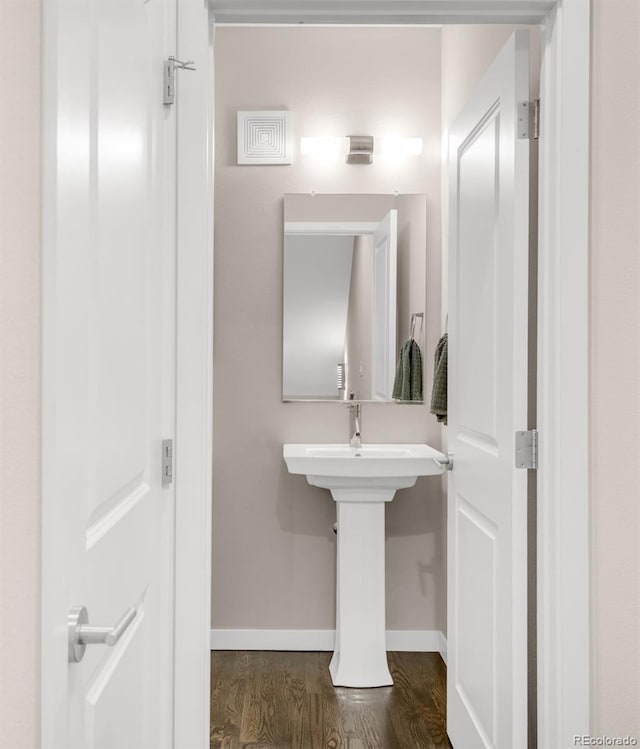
361	480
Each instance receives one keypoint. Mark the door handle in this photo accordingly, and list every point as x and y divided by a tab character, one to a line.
81	634
447	463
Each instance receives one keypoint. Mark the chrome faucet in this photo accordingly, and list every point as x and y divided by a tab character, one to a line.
354	425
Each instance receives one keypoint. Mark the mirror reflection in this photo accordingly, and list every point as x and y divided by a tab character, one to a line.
354	297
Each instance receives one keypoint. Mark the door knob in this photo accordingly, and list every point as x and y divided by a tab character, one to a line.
81	634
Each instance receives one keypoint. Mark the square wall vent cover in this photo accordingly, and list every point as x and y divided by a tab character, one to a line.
265	137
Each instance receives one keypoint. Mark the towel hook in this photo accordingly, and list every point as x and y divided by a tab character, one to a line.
412	325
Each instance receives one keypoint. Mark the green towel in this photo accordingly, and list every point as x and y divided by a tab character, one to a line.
439	394
408	382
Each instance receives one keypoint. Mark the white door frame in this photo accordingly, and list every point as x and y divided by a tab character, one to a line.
563	498
563	490
563	381
194	384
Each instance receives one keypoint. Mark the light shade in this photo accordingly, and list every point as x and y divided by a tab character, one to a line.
400	148
324	148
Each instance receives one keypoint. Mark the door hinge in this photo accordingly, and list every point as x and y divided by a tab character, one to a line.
167	462
529	120
527	449
170	66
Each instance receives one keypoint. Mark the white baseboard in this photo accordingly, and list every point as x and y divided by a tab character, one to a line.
272	639
405	640
443	647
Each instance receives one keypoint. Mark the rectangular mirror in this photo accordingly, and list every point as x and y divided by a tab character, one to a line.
354	294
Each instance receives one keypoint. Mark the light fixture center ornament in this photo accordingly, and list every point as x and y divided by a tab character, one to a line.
360	149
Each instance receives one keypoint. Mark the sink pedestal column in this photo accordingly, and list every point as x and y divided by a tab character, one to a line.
360	657
361	480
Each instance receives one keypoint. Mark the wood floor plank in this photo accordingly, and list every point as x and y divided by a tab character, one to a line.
418	718
275	700
296	698
259	714
227	697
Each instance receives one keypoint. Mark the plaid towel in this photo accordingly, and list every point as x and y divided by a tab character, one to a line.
439	394
408	382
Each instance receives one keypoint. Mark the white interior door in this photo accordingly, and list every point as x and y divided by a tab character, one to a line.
109	360
385	250
487	529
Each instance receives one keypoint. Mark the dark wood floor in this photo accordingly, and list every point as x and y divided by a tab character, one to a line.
273	700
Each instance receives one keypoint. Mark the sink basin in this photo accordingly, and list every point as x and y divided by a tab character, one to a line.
361	480
365	467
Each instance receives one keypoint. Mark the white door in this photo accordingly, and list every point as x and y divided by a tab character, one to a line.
488	302
109	360
385	250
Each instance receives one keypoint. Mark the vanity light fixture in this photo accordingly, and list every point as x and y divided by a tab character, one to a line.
359	149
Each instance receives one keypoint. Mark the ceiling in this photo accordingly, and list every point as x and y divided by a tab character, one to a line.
379	11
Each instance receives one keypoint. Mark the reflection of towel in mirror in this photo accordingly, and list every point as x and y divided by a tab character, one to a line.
408	382
439	394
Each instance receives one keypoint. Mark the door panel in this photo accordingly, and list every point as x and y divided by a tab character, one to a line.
478	208
109	375
488	386
476	612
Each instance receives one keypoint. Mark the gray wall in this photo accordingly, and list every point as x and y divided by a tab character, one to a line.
615	367
274	550
20	291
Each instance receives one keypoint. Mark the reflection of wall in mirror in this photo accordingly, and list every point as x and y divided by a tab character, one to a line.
412	268
357	348
316	289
